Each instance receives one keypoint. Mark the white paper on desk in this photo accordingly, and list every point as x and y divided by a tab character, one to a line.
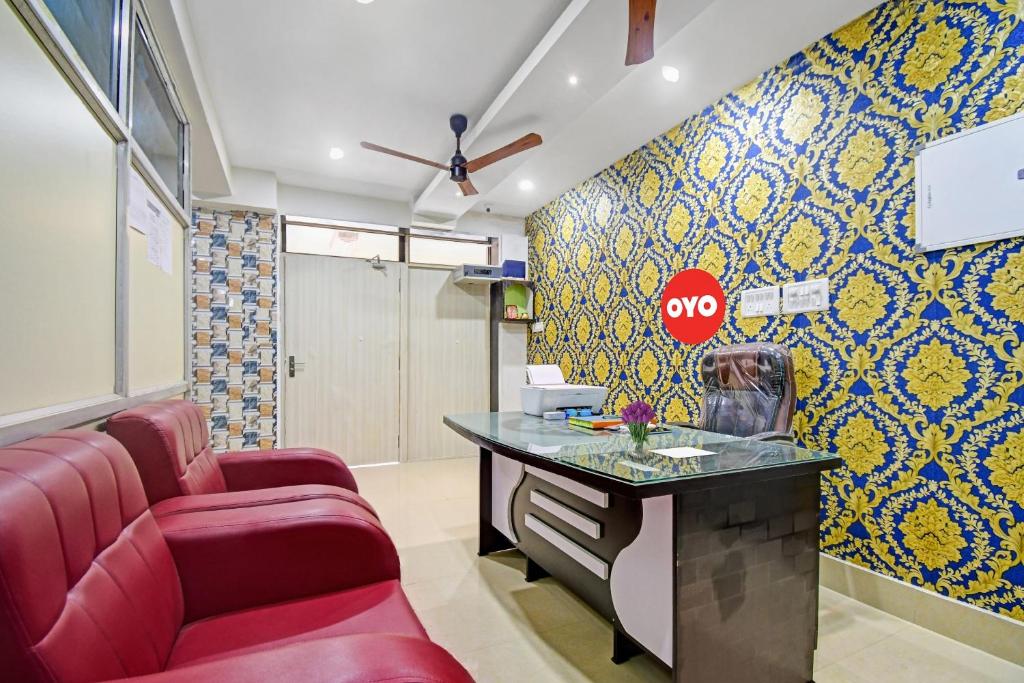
681	452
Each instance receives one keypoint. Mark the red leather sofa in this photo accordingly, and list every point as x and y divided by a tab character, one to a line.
170	443
95	585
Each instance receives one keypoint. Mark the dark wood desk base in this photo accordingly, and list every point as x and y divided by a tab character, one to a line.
745	584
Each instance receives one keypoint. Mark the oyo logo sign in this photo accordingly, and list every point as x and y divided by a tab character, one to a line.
693	306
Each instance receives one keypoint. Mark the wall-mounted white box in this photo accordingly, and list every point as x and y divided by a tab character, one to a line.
806	296
759	302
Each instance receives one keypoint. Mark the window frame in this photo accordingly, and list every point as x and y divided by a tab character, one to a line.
114	118
404	235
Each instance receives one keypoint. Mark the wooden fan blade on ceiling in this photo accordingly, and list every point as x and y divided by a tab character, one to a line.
640	44
521	145
467	188
402	155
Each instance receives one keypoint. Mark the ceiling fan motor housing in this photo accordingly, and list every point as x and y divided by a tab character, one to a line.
458	169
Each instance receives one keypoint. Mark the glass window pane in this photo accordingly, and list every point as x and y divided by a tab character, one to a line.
58	190
306	239
91	26
155	126
448	253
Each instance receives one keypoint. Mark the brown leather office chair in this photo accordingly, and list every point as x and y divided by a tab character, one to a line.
749	391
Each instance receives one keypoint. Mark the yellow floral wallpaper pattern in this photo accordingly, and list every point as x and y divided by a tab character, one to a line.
916	373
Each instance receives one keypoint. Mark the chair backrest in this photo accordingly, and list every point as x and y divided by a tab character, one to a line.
88	587
170	444
748	389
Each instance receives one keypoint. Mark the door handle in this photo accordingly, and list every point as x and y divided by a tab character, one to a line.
292	366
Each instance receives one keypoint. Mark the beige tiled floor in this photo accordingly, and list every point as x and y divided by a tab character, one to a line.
504	629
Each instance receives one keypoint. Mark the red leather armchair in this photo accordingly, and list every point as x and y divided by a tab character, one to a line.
96	586
170	444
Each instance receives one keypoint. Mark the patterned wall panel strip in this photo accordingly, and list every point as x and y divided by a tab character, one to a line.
234	312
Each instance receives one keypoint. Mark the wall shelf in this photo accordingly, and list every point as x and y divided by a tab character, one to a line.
518	294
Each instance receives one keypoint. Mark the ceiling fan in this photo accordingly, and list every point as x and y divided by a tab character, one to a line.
640	44
459	167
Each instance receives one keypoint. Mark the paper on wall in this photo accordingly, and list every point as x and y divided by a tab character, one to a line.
138	198
158	247
148	215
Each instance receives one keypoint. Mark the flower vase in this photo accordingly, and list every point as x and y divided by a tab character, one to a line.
638	416
638	433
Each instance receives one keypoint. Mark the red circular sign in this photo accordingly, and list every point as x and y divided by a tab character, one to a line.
693	306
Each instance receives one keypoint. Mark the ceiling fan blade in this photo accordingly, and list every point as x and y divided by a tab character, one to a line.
521	145
640	44
467	188
402	155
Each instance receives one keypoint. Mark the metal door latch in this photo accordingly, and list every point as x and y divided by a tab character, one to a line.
292	365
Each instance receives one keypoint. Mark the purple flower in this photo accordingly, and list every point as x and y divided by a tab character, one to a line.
638	412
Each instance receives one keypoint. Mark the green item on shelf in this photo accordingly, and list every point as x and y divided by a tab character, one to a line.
518	295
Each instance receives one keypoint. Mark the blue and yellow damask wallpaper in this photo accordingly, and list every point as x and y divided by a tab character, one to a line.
916	373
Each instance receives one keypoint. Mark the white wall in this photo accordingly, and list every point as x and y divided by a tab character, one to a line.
304	201
251	190
490	224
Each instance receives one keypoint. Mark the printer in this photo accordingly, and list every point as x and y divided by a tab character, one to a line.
546	391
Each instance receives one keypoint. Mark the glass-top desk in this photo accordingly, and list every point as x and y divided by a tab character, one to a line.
609	458
709	562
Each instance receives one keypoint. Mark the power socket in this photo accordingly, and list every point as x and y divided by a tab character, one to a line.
806	296
759	302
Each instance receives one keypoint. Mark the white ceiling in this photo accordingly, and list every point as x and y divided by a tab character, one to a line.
288	80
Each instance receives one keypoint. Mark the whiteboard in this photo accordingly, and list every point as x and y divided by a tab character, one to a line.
970	186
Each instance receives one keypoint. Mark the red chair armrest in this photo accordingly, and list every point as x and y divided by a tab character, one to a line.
248	470
238	557
346	659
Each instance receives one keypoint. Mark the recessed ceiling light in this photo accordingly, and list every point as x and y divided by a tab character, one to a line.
364	2
525	185
573	80
670	73
336	153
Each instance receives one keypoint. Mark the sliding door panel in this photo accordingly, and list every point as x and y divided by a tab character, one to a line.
448	361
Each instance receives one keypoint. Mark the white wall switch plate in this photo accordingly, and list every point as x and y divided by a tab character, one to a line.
537	326
806	296
759	302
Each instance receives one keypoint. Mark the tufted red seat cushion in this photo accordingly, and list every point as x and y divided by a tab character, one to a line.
170	443
88	588
380	607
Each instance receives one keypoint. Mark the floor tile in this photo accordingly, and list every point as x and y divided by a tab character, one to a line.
505	629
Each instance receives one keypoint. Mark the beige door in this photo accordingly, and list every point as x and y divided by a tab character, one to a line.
342	326
448	355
